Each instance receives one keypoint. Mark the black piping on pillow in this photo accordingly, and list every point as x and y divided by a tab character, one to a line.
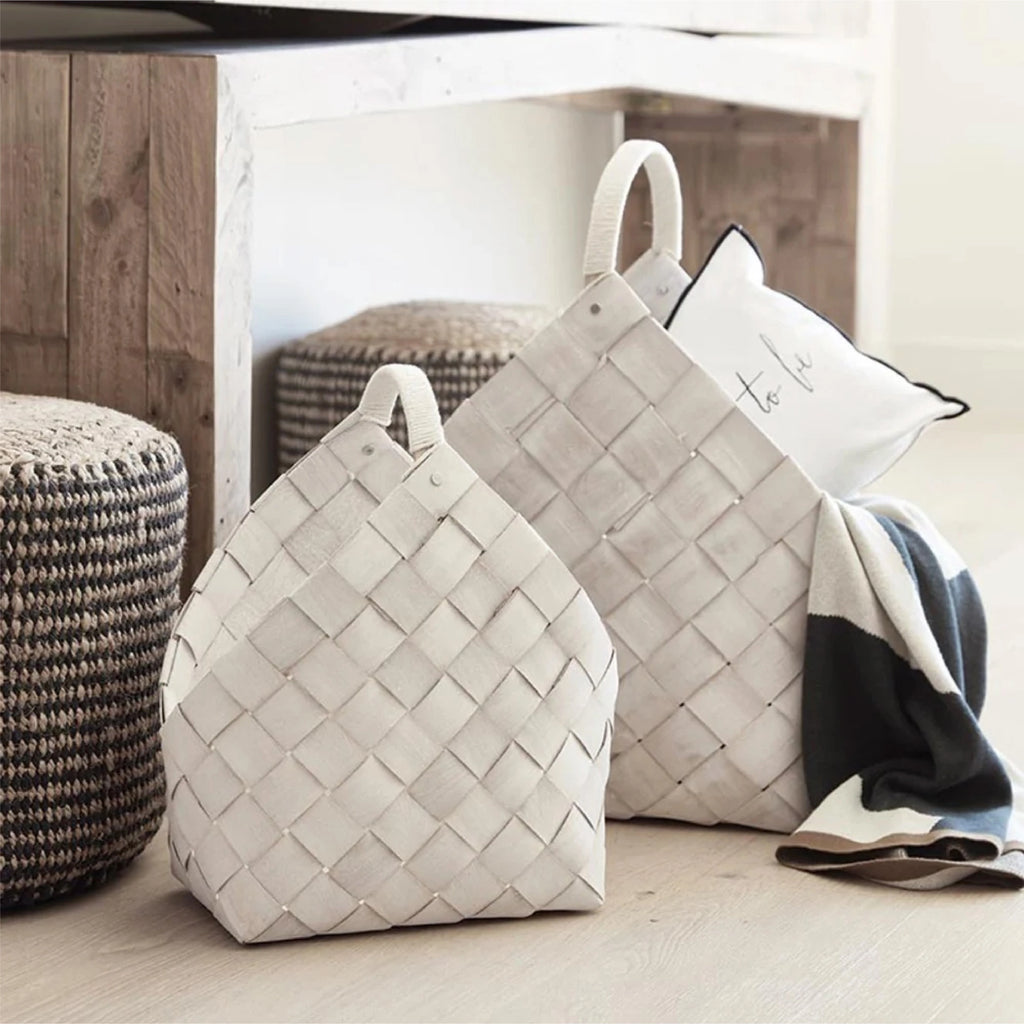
964	407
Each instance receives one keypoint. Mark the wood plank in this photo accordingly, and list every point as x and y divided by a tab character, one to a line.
796	164
181	401
791	181
796	169
687	116
716	208
33	366
755	192
705	918
690	156
837	183
835	291
182	230
232	315
33	192
108	265
792	268
297	84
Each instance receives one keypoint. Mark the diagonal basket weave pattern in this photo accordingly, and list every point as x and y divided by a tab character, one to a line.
691	533
392	705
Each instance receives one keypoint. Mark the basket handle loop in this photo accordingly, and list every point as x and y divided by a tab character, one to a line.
609	205
410	383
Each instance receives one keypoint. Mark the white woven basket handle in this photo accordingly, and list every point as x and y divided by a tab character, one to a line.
422	417
610	203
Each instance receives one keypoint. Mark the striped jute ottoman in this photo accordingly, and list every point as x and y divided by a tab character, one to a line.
92	526
459	345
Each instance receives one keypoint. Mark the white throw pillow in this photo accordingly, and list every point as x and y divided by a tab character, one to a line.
843	416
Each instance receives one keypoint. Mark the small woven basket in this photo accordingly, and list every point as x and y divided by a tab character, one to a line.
459	345
92	526
388	703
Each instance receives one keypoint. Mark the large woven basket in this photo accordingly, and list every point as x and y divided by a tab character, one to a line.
389	703
459	345
689	529
92	524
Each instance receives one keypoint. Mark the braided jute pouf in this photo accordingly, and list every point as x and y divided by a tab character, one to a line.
459	345
92	526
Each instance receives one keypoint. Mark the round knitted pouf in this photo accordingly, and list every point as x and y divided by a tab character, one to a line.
92	526
459	345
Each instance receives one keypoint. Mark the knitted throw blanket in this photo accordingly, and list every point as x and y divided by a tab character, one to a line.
906	789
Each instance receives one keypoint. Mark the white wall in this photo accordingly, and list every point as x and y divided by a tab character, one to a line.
477	203
957	201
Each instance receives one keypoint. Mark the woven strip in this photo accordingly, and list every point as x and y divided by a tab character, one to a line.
92	523
389	704
459	345
691	533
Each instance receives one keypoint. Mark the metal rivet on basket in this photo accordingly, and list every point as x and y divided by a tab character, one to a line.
435	479
368	449
736	501
595	308
286	831
284	907
326	870
693	455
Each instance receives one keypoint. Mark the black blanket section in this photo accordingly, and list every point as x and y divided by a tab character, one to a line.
906	789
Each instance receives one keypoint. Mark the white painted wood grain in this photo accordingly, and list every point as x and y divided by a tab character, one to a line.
294	84
232	311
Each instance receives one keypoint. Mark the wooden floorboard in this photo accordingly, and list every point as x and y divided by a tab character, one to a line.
700	924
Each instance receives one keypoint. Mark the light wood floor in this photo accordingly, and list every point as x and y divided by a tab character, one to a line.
700	924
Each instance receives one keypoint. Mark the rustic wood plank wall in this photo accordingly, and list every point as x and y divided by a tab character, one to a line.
791	181
34	115
108	225
108	259
182	229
